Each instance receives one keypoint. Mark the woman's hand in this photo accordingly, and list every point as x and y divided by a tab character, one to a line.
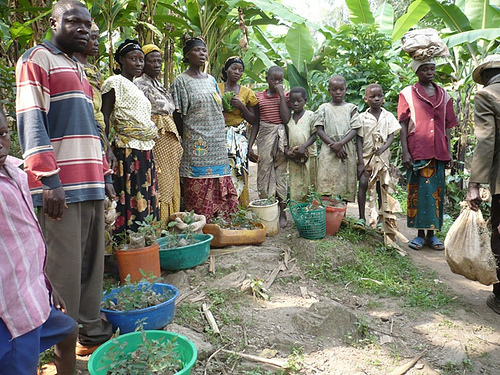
237	103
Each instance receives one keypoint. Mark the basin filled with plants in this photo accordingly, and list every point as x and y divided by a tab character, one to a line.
129	306
144	352
183	251
242	227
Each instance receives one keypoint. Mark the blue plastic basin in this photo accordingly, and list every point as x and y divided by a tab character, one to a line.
155	317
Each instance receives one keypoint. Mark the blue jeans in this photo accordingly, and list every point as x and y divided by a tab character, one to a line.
20	355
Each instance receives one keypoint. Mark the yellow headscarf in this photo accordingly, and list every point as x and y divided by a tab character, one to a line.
148	48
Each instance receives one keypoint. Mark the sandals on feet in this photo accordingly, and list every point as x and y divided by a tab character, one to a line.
360	224
416	243
434	243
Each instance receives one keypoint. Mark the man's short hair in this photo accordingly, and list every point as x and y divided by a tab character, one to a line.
63	5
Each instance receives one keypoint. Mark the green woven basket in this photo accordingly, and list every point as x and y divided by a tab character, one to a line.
310	224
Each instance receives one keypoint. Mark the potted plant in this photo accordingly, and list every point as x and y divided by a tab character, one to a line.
242	227
268	212
144	352
136	251
132	305
335	212
184	250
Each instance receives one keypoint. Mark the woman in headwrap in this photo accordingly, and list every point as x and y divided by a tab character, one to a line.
168	148
237	121
205	172
127	115
425	112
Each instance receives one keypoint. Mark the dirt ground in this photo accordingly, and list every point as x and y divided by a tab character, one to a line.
463	341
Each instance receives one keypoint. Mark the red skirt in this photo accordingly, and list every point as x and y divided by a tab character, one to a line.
210	197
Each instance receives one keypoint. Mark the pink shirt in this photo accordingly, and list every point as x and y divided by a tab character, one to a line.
429	117
24	297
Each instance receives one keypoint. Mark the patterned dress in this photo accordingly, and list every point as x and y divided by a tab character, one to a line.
301	176
132	134
237	143
204	169
337	176
168	148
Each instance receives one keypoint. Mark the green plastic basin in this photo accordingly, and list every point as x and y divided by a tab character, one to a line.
184	257
98	363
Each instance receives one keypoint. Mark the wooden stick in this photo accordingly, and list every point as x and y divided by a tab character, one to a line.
210	318
274	273
183	296
213	355
274	362
211	268
403	369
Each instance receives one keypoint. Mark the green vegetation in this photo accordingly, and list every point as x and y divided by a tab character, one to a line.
381	271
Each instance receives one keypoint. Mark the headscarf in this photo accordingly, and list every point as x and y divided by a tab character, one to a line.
415	64
148	48
190	44
230	61
122	50
94	27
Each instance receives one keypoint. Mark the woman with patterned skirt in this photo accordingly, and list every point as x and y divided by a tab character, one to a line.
127	114
168	148
237	122
205	172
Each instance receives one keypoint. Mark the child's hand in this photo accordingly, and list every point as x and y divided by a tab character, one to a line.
377	151
57	301
301	150
341	154
252	156
279	89
335	146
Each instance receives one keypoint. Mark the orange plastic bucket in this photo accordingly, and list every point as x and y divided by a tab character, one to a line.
334	216
131	262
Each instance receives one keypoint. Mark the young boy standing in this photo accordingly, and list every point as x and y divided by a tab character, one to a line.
272	114
337	123
302	146
378	127
425	112
28	323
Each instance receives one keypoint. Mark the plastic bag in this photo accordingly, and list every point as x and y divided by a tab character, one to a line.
197	222
468	248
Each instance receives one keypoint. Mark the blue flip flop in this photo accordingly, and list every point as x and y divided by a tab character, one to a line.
434	243
416	243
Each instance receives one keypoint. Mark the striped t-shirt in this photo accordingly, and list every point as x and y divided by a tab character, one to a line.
269	107
57	131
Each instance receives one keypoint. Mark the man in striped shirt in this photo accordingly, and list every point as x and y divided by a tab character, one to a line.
30	322
65	165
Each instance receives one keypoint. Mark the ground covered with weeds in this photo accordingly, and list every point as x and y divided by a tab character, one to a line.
339	305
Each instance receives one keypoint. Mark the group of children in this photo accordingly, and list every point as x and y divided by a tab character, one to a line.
342	161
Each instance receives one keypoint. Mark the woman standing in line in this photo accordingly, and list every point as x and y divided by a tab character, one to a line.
205	171
168	148
237	121
127	114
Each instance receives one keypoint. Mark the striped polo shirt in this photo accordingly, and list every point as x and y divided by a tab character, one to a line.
57	131
269	107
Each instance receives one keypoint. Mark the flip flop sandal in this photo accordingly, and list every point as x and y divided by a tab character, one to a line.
360	224
416	243
434	243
